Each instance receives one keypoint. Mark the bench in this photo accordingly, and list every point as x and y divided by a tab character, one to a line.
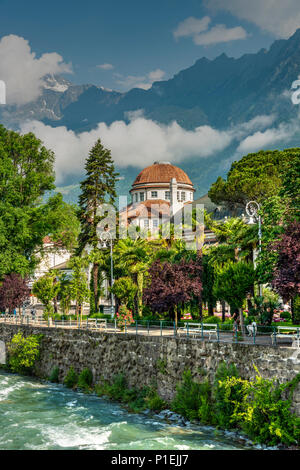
287	331
96	323
195	329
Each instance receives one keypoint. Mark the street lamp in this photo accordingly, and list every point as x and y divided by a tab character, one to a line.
252	209
106	237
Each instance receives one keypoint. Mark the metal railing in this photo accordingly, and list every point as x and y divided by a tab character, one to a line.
218	332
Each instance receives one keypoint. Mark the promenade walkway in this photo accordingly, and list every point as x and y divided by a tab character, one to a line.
264	335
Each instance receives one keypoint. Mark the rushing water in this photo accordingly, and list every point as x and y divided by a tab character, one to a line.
38	415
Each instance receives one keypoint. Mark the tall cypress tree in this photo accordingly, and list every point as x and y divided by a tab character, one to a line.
97	188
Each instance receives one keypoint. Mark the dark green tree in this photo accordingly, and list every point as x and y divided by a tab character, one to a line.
26	173
97	189
232	283
256	176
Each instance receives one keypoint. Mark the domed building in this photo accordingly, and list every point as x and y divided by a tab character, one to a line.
158	192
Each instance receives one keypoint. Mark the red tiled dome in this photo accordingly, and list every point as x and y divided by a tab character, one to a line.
162	173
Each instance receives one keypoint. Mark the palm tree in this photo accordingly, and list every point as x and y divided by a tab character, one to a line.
134	257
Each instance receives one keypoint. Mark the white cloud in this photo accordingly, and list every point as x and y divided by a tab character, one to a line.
23	72
220	33
268	138
191	26
279	17
105	66
139	81
142	141
139	143
198	30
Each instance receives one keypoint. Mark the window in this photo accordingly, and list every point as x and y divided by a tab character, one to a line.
146	223
153	193
142	195
183	196
167	195
178	196
155	223
136	197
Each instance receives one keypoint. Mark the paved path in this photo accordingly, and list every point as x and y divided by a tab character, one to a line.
224	337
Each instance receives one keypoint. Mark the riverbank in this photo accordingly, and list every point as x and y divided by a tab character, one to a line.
38	415
183	375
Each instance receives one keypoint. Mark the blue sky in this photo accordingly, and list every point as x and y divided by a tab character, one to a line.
135	38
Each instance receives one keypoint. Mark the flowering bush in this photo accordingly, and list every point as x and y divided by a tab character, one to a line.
186	316
124	316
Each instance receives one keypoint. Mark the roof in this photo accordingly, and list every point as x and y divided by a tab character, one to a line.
155	207
162	173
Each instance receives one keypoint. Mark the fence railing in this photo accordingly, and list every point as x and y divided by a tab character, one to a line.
216	332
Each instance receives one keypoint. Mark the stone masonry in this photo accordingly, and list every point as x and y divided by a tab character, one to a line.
150	360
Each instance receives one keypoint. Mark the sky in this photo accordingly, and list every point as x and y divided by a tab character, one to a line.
121	44
125	44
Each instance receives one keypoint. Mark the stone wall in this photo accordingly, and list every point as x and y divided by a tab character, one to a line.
147	360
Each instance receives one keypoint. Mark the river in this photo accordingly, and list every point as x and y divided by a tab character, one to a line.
36	415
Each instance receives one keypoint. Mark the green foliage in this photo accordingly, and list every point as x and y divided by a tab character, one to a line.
193	399
233	282
256	176
223	408
26	174
85	379
23	352
46	289
125	290
260	411
54	375
161	365
264	310
212	319
136	400
71	379
154	402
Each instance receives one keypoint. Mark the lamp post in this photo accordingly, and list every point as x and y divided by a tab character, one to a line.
252	209
107	237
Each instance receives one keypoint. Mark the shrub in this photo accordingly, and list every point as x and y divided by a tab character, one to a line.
154	401
71	379
23	352
260	410
124	317
85	379
192	399
286	316
212	319
223	400
54	375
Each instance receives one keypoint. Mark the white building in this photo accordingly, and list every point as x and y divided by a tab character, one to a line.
158	192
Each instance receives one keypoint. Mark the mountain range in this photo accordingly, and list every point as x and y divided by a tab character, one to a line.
221	93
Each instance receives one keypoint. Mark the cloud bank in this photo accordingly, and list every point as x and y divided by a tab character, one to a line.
143	141
278	17
23	72
142	81
198	30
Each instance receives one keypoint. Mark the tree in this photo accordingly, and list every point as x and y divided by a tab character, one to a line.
286	280
79	284
208	276
97	189
232	283
256	176
46	289
172	285
26	174
134	257
125	290
13	292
